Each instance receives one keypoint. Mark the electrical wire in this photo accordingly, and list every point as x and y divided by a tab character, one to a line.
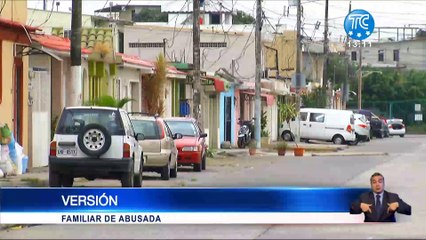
174	28
48	17
2	6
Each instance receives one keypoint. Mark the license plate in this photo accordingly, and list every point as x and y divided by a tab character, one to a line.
67	151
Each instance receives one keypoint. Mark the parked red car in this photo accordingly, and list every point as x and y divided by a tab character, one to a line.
192	147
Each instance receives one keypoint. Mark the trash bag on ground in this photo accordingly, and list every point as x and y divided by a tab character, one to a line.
6	164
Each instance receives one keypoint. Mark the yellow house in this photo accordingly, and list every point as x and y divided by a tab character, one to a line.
283	48
14	36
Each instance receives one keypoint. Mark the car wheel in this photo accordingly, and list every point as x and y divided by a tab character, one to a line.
203	162
128	178
165	173
94	140
197	167
137	181
67	181
173	171
287	136
240	143
338	139
402	135
54	179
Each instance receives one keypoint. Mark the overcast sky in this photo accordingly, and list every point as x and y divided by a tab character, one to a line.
386	13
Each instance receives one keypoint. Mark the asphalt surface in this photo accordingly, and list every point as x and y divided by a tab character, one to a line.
403	168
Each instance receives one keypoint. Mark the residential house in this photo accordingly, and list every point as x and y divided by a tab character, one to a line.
408	53
233	51
104	71
280	65
14	38
172	13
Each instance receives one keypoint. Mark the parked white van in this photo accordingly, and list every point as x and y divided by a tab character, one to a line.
332	125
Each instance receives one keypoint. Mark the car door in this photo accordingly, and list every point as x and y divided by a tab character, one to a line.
130	138
170	141
316	126
202	141
304	128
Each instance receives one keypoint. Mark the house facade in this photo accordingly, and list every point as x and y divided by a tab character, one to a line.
408	54
14	95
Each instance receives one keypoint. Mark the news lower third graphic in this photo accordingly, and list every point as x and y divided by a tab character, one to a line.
178	205
359	24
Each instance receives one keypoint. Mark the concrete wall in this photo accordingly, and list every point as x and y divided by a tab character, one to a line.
128	76
40	109
412	54
36	17
179	48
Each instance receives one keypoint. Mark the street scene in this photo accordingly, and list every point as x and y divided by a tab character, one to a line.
189	93
401	163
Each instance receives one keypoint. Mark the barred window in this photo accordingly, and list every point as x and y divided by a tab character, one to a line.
146	45
213	44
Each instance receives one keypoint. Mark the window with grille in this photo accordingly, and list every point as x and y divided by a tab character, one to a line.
67	34
381	55
146	45
396	55
353	55
213	44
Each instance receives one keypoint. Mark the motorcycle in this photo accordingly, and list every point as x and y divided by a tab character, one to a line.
245	132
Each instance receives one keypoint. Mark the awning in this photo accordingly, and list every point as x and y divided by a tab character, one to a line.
136	60
55	43
215	83
15	31
269	98
172	72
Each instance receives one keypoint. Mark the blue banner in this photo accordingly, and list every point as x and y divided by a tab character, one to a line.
178	199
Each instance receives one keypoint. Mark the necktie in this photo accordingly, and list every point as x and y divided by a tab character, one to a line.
378	205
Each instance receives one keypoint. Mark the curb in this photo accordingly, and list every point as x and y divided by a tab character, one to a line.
350	154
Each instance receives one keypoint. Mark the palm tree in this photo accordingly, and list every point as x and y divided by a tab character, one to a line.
108	101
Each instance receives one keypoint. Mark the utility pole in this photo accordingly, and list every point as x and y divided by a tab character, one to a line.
76	85
348	63
196	61
326	50
360	76
298	65
258	52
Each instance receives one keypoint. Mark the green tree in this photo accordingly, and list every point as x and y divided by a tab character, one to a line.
315	99
150	15
242	18
108	101
337	70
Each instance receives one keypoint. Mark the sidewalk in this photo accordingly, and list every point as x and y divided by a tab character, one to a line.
310	148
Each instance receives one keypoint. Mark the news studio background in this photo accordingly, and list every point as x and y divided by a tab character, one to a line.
339	186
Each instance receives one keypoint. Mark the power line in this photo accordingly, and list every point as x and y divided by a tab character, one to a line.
3	5
174	28
48	17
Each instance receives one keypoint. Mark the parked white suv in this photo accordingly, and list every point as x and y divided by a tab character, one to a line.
95	142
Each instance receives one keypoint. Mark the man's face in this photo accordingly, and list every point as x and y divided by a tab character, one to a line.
377	184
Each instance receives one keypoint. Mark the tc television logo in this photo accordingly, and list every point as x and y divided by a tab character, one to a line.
359	24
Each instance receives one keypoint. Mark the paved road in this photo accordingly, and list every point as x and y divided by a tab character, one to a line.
403	168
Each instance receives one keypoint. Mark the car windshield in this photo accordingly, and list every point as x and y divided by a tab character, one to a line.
74	120
186	128
148	128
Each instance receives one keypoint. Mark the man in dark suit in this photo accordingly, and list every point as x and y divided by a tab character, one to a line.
379	205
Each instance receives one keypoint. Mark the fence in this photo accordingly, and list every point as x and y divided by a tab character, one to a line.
403	109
